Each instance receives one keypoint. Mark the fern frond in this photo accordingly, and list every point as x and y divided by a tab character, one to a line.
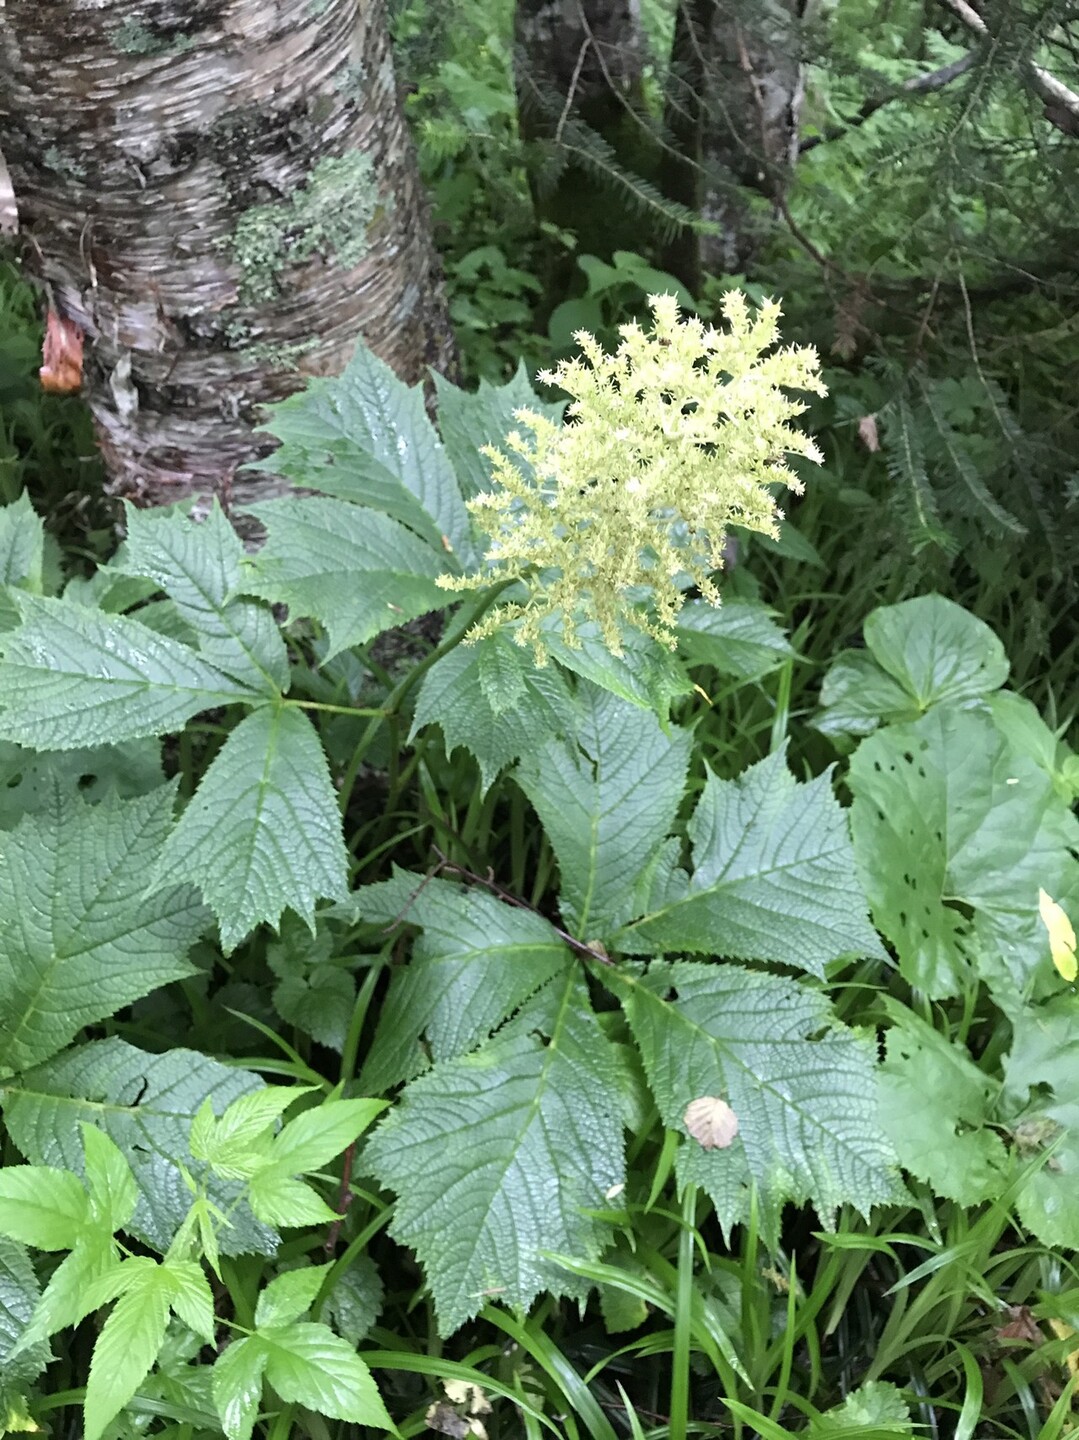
904	456
593	153
950	445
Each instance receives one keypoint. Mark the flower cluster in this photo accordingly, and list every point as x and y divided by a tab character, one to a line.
679	434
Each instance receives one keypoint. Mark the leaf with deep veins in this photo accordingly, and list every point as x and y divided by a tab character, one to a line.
79	936
802	1086
774	877
607	796
199	567
499	1156
355	571
72	677
263	830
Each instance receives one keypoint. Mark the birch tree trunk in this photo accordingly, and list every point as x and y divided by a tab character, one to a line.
734	103
578	73
224	196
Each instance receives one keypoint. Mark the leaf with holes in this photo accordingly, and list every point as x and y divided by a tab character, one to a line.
956	834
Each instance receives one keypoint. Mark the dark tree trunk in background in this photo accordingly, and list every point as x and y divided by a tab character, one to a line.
734	102
223	195
578	66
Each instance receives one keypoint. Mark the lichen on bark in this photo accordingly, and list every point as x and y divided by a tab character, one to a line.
329	217
156	144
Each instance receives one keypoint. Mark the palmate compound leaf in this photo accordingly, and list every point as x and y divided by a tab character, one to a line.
801	1085
773	879
475	962
498	1157
607	796
79	936
134	1330
307	1364
490	698
364	436
199	568
72	677
738	638
956	834
354	570
146	1104
263	830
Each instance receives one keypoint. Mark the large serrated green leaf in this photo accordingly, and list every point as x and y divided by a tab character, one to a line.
499	1156
646	674
145	1103
354	570
774	877
736	638
79	937
476	961
263	830
453	696
199	567
19	1293
470	420
955	834
364	436
607	796
72	677
802	1086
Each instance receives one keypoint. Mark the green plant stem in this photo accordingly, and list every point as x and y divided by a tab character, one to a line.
328	709
468	615
783	707
683	1319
